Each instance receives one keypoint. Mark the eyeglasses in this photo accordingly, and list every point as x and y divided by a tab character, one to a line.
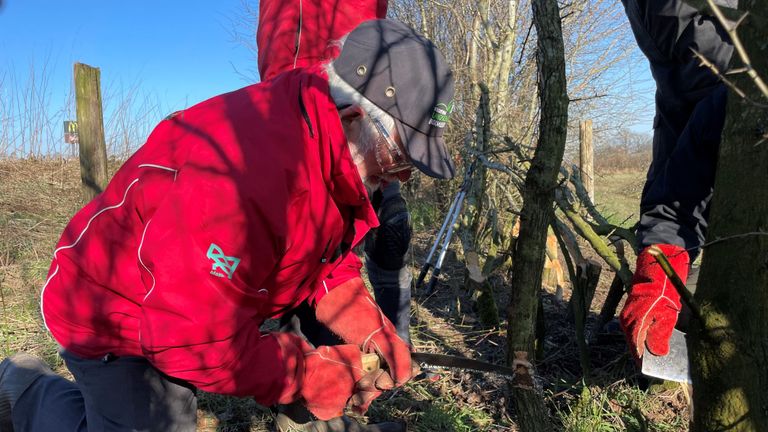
400	161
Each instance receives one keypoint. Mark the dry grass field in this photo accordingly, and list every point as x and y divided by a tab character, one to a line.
38	197
617	195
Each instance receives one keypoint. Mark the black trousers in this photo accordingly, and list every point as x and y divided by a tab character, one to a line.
690	112
112	394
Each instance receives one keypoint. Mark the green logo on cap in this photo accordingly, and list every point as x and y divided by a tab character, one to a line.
441	114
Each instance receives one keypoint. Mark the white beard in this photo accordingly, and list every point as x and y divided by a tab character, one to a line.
366	143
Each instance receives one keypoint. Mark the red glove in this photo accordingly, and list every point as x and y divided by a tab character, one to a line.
334	378
369	388
350	312
328	378
651	309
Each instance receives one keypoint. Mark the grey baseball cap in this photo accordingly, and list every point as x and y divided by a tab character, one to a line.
404	74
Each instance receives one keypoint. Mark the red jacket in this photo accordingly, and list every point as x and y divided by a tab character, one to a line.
234	210
298	33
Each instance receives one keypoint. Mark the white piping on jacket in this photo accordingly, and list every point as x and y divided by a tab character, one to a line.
88	225
138	254
175	171
298	44
141	243
79	237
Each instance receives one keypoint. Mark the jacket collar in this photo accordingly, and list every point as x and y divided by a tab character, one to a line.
339	171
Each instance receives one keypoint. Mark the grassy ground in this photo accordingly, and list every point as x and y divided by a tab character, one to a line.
617	196
38	197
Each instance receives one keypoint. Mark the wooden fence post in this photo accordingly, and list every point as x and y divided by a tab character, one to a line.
586	157
90	122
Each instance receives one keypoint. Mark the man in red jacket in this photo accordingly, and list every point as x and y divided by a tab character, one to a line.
300	33
234	211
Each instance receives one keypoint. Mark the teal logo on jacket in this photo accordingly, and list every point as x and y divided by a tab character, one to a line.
223	266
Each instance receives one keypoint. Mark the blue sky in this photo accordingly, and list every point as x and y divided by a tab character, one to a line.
181	51
176	52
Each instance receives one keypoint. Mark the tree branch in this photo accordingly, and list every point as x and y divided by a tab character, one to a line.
602	227
731	29
705	62
679	285
733	237
585	230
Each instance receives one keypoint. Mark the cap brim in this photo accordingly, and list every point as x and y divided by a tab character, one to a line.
428	153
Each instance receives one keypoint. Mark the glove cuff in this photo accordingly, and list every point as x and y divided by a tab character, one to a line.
331	375
350	312
648	270
293	349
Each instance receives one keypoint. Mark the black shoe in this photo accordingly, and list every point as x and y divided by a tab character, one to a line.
17	373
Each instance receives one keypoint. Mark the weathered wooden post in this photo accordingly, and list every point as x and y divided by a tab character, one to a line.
586	157
90	122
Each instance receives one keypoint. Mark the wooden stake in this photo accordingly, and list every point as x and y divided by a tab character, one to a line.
90	122
586	158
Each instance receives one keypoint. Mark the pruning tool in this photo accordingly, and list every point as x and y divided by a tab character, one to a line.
447	229
372	362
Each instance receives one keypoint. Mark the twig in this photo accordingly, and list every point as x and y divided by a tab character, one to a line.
679	285
586	201
525	43
496	166
726	81
35	226
586	98
734	237
731	29
711	66
453	11
615	233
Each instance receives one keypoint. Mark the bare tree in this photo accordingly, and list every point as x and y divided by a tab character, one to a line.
537	213
492	43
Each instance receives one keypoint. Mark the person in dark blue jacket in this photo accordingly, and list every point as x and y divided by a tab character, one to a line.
690	113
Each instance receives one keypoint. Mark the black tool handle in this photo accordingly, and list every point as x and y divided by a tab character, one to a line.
433	281
423	274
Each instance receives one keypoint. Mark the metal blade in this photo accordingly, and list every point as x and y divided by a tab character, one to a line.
449	361
674	366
